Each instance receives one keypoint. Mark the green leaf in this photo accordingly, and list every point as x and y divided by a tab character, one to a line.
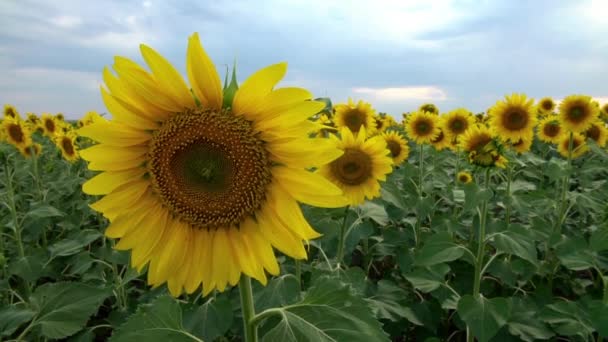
44	211
30	267
598	314
567	318
64	308
373	211
210	320
159	321
484	316
13	317
279	291
516	241
74	244
524	322
328	312
388	302
428	279
437	249
599	239
575	254
474	195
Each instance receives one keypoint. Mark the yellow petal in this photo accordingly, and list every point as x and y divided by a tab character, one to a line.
123	197
280	236
252	92
126	114
260	246
310	188
105	153
169	257
221	259
178	277
290	214
169	80
106	182
207	263
127	221
304	153
195	276
280	100
203	75
292	116
256	262
152	216
151	236
117	165
240	253
115	134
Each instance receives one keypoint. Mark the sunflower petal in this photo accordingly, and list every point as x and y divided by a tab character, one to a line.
203	75
106	182
253	91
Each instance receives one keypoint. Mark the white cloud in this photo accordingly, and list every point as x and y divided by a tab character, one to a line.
66	21
415	93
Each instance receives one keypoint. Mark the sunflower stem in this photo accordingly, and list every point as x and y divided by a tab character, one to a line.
480	247
13	208
249	328
342	240
37	180
420	194
298	274
566	182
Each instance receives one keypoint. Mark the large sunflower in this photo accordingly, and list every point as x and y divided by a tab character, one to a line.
354	116
598	133
397	145
456	122
202	193
577	112
546	106
513	118
482	147
422	127
549	129
365	162
16	133
579	146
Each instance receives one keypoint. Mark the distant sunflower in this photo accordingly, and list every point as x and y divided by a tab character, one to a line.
579	147
577	112
49	125
481	118
59	117
380	124
31	150
441	141
16	133
358	171
429	108
598	133
464	177
200	183
11	112
522	145
67	144
549	129
456	122
546	106
90	118
397	145
482	147
604	112
354	116
513	118
422	127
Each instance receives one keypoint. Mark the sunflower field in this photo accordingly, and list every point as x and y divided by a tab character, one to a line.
206	210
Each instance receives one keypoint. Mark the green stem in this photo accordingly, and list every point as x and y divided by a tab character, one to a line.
249	328
480	248
566	182
13	209
298	266
420	194
508	202
342	240
38	182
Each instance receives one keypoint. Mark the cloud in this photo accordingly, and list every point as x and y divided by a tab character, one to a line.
415	93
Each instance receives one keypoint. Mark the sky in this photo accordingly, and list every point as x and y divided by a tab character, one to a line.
394	54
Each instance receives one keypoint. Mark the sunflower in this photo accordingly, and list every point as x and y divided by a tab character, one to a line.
513	118
397	145
355	116
89	118
522	145
67	145
422	127
201	183
380	124
482	147
32	149
577	112
365	162
549	129
481	118
579	147
464	177
546	106
16	133
598	133
59	117
49	125
456	122
11	112
429	107
441	141
604	112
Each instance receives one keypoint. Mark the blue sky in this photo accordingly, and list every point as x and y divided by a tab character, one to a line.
394	54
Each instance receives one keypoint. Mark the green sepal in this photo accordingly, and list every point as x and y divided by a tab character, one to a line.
230	89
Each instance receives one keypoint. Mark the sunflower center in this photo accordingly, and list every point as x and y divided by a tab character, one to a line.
50	125
423	127
463	178
457	126
16	133
209	168
379	124
354	167
551	129
66	144
354	119
515	119
577	114
10	112
547	105
394	147
593	132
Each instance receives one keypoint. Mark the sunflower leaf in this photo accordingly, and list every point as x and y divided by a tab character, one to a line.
484	316
328	312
